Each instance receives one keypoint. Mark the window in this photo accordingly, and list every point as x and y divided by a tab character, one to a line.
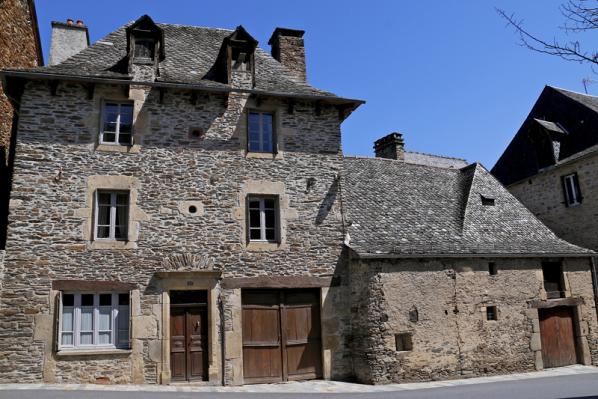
491	313
553	279
262	219
572	191
492	269
403	342
260	132
144	48
117	123
111	215
90	320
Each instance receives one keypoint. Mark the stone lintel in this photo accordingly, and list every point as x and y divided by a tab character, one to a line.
87	285
190	274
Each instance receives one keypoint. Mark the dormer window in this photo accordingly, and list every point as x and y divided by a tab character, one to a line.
144	49
487	200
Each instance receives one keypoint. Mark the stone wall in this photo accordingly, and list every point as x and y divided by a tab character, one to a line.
543	194
49	234
451	337
18	49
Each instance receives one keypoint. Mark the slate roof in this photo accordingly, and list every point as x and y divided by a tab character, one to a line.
420	158
587	100
190	53
568	117
397	208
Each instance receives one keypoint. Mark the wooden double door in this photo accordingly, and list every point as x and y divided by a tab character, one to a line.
188	343
281	335
557	336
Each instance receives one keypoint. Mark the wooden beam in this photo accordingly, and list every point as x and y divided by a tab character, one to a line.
318	108
53	87
90	90
551	303
278	282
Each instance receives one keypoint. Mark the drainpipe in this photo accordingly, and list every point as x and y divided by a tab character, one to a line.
594	282
222	343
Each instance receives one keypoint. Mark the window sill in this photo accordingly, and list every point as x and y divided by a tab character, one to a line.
256	246
93	352
263	155
113	245
130	149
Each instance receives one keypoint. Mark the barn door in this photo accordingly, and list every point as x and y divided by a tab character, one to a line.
188	343
302	341
262	357
557	336
281	335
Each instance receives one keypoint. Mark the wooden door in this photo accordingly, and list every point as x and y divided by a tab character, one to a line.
301	333
557	336
262	357
188	343
281	335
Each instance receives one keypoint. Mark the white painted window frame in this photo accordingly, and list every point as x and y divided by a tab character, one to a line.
76	332
113	206
261	132
571	183
262	209
116	141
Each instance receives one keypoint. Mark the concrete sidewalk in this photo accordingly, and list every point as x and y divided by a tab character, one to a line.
317	386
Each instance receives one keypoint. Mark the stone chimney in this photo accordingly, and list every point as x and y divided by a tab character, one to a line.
391	147
288	49
67	40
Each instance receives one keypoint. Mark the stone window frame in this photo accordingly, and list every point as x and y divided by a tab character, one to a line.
112	217
273	139
140	119
116	143
277	109
262	225
285	213
114	331
135	215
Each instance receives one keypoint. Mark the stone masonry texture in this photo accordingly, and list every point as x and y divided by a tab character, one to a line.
18	48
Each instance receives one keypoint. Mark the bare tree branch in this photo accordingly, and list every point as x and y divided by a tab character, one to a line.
578	16
581	18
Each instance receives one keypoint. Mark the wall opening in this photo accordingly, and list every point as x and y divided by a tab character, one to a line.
403	342
491	313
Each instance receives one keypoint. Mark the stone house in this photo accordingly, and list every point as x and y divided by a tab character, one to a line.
181	211
19	48
551	165
451	276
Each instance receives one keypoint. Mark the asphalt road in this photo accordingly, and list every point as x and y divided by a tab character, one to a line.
580	386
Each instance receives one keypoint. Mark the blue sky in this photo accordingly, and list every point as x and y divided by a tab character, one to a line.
447	74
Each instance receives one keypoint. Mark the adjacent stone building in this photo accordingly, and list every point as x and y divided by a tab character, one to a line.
19	48
452	276
551	165
181	211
